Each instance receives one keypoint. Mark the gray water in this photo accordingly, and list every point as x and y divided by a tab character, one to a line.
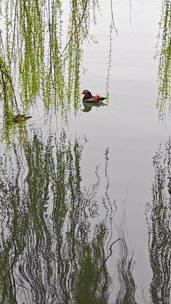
129	126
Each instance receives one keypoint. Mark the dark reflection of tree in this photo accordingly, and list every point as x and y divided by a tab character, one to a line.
164	97
49	252
159	226
127	285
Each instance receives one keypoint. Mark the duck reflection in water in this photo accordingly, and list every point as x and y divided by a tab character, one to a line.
89	105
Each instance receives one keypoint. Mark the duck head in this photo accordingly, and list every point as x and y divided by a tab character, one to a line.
87	94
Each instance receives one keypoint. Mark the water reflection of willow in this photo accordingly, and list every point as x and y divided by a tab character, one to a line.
127	284
49	252
159	226
41	43
165	58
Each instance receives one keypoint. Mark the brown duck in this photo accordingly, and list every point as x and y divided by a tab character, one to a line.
20	117
88	97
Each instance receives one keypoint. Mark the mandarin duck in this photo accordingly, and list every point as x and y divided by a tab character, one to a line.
88	97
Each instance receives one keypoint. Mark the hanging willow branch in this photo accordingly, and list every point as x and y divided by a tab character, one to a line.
6	79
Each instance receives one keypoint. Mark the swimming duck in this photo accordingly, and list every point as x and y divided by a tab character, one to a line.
20	118
88	97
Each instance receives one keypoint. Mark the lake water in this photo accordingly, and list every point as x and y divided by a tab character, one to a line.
129	126
66	200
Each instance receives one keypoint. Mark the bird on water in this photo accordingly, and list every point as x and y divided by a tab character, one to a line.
20	117
88	97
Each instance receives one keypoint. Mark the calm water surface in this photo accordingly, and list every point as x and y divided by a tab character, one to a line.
129	126
85	204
